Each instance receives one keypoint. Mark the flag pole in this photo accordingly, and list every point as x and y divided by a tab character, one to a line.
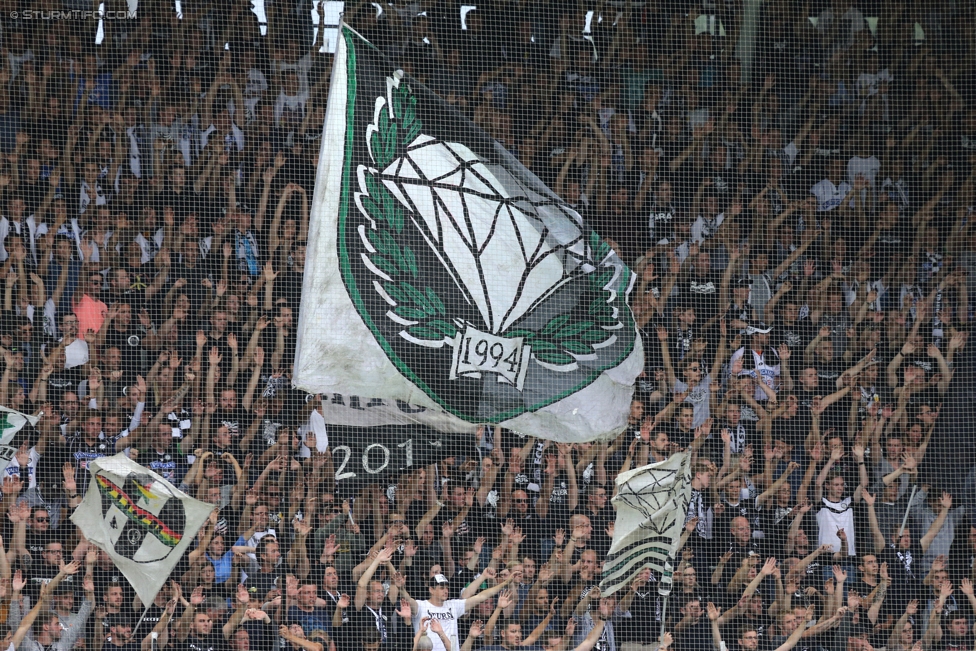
901	529
664	619
139	623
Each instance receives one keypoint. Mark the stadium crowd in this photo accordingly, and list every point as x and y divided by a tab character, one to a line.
800	217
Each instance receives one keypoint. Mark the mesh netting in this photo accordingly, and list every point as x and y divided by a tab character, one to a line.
397	289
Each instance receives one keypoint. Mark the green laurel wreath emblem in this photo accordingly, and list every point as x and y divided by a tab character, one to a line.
558	343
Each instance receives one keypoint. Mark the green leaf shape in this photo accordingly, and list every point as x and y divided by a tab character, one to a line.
397	260
556	358
593	336
447	328
435	301
602	279
418	298
394	291
381	206
562	338
577	347
554	325
410	260
574	329
384	140
384	264
405	110
424	332
385	244
600	248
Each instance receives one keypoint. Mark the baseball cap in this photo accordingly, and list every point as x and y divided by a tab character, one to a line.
438	579
758	328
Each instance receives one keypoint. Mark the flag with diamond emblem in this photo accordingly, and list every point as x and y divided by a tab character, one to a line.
651	504
442	274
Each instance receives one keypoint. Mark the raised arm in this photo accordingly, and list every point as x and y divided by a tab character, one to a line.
879	539
946	503
362	586
484	595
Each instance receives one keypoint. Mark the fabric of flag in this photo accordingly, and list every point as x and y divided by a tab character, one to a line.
442	274
651	503
141	520
11	422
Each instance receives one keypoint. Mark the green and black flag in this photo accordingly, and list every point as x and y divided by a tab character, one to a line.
442	274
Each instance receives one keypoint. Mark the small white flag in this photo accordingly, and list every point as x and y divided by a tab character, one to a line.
651	505
11	422
144	523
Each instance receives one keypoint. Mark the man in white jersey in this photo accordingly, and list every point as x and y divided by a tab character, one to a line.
836	512
761	354
447	611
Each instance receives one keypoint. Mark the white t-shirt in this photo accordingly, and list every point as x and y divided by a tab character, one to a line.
763	370
833	516
699	397
448	615
830	196
13	468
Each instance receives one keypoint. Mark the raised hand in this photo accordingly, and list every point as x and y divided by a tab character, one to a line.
70	568
546	572
713	612
477	628
839	573
404	610
946	501
197	597
945	590
505	599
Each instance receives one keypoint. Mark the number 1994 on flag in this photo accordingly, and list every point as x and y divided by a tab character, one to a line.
477	352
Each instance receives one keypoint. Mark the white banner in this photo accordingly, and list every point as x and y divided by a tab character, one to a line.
11	422
443	274
651	505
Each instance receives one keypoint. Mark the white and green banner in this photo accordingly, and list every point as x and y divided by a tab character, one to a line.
651	504
442	274
11	422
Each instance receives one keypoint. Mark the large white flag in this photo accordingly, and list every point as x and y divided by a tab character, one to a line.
651	505
141	520
11	422
442	275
